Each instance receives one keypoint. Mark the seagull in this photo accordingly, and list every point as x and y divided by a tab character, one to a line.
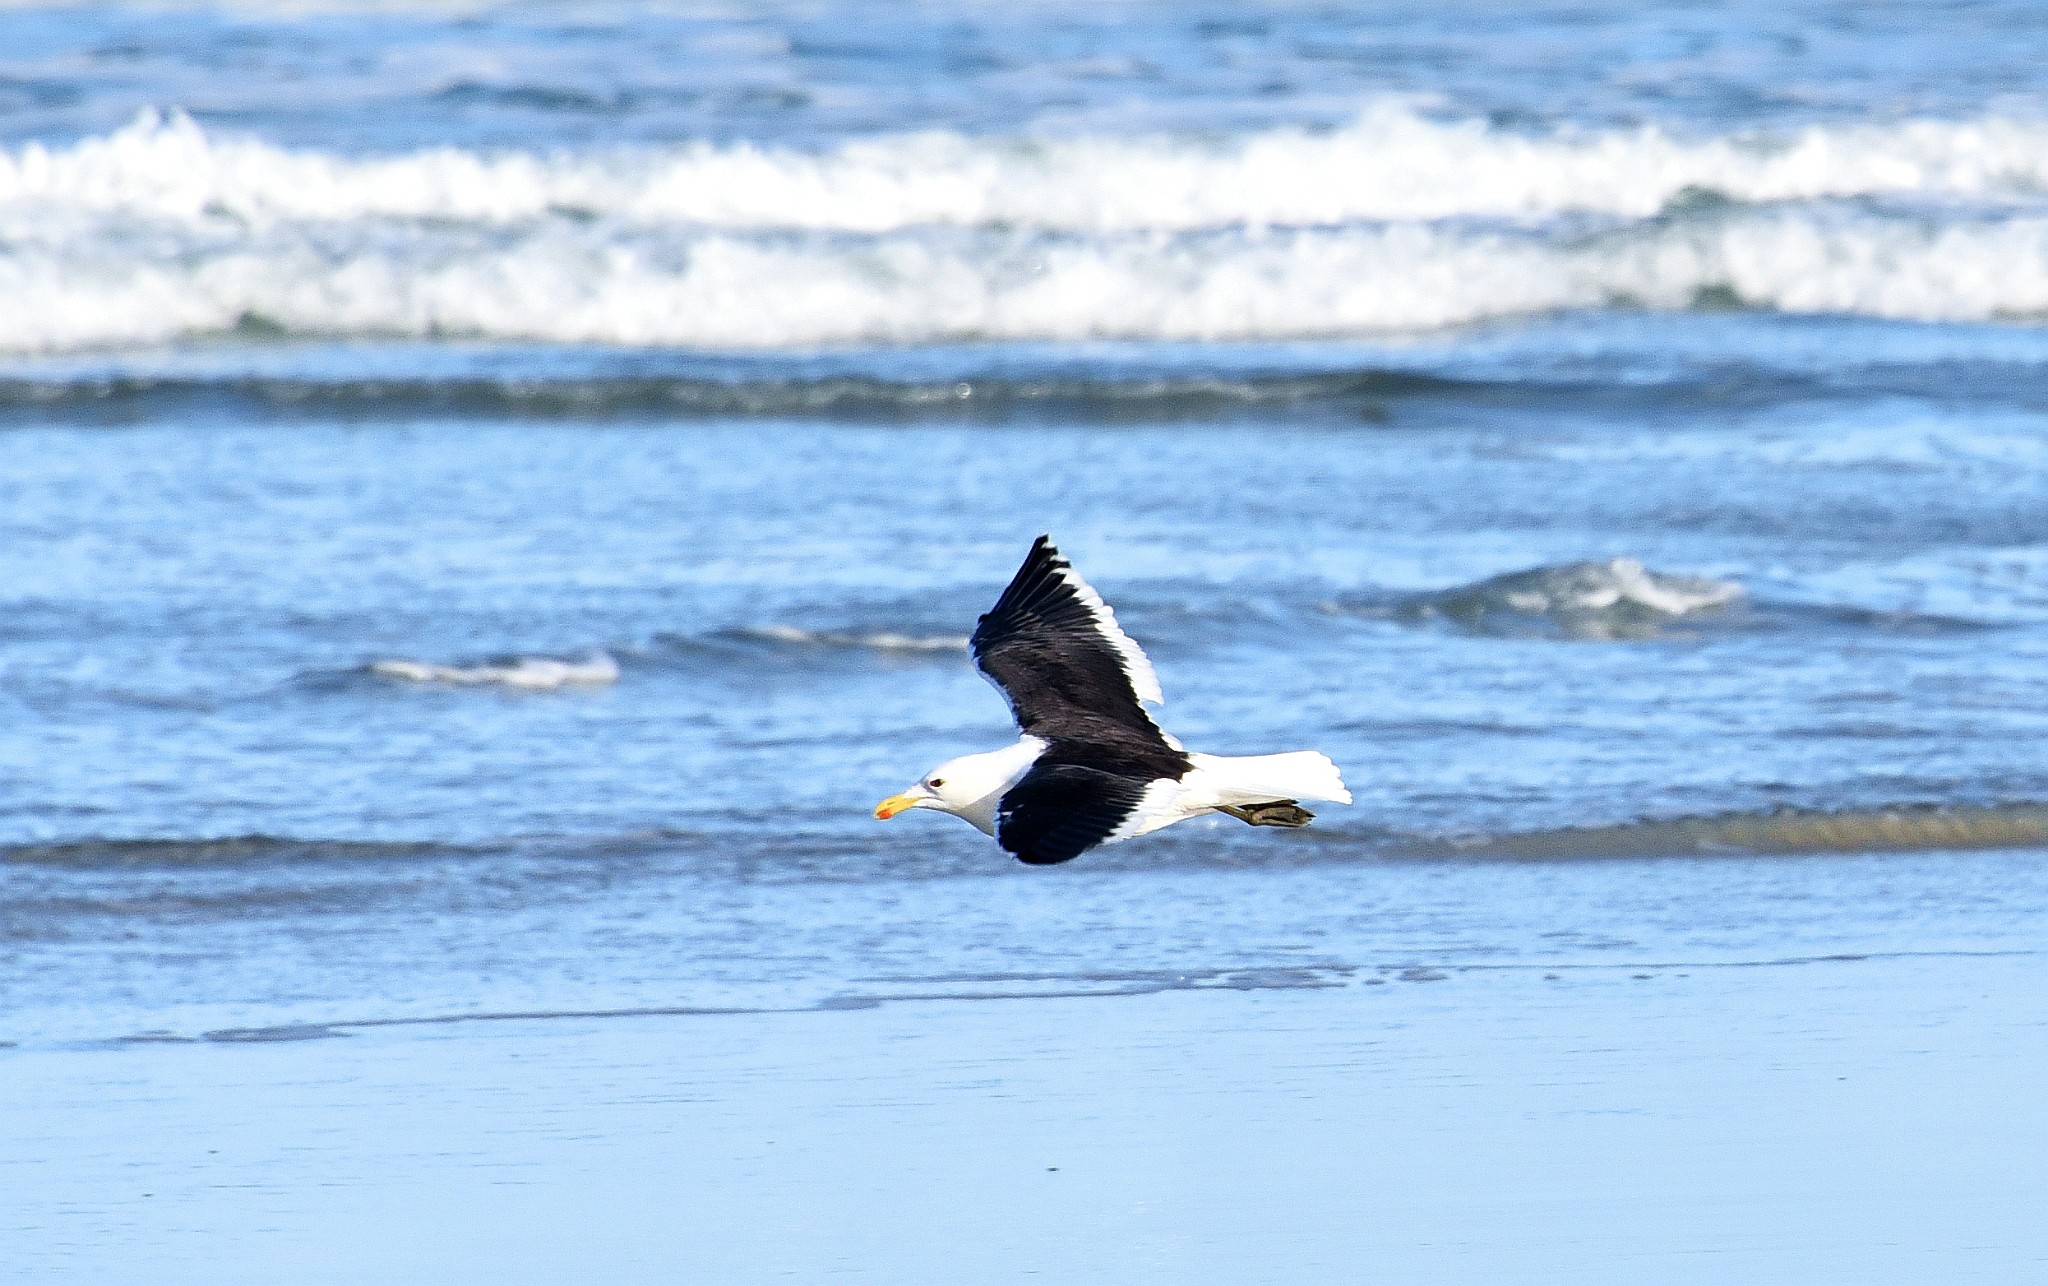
1091	767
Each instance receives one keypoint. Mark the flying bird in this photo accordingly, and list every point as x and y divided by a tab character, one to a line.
1091	767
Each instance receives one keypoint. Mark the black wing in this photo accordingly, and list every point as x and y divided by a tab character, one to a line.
1068	670
1056	812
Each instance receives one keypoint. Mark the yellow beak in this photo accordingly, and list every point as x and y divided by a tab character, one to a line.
893	805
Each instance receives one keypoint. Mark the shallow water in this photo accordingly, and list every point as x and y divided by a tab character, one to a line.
489	495
1585	1111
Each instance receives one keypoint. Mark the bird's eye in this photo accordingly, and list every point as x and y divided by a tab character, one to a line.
936	782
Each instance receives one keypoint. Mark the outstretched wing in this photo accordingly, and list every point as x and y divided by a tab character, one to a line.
1055	650
1056	812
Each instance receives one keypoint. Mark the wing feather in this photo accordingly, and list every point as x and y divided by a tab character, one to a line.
1056	652
1056	812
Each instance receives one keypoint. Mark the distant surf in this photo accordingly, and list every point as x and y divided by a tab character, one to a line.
163	230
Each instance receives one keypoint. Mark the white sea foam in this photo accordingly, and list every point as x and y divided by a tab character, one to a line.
162	230
567	284
1390	164
530	673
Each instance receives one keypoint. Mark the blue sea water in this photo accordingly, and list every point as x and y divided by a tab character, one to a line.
491	494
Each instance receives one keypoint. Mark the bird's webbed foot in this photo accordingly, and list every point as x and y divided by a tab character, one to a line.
1278	812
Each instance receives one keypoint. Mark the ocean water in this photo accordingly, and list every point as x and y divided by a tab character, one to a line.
490	494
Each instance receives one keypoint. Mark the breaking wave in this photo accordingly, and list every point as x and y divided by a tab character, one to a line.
1391	164
1615	599
163	230
528	673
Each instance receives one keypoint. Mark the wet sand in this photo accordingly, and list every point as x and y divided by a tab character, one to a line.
1875	1119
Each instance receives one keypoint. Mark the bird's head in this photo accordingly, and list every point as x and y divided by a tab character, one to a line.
942	788
968	787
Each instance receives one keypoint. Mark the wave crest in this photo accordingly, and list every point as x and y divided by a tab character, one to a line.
527	673
1615	599
1391	164
683	288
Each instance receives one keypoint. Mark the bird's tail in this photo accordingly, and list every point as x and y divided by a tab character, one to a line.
1240	780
